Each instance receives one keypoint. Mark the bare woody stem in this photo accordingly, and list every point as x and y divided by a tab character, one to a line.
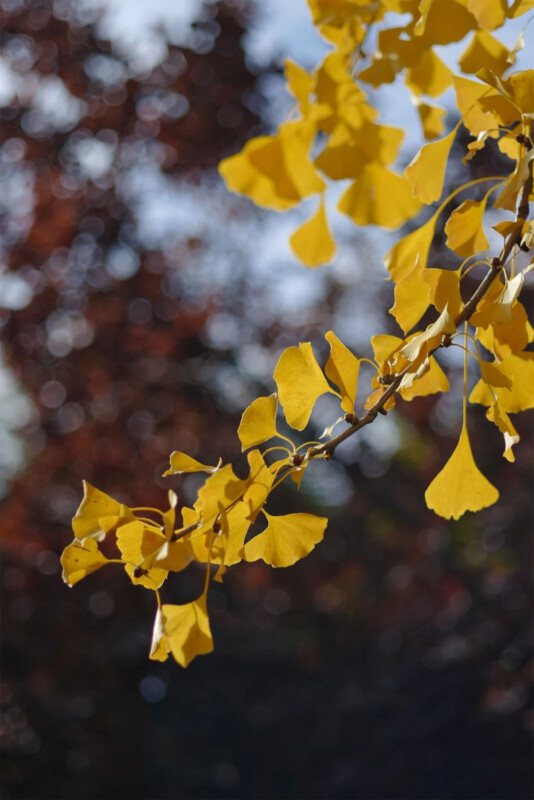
327	449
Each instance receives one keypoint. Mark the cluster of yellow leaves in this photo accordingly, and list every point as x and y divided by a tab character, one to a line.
334	135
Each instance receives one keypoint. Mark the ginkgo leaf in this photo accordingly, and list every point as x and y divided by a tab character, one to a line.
379	197
384	345
444	289
490	14
429	75
185	631
432	381
313	243
460	486
500	310
444	21
514	184
432	119
375	396
219	491
181	463
98	514
236	523
520	7
464	228
342	368
493	376
468	95
520	396
258	423
299	83
484	51
426	172
286	539
259	484
79	560
300	382
137	542
411	298
501	419
401	258
421	344
174	556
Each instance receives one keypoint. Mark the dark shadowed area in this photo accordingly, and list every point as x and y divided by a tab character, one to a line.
143	307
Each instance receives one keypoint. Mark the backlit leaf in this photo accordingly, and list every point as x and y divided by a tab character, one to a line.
490	14
98	514
137	542
342	369
313	243
429	75
460	486
181	463
464	228
484	51
286	539
300	382
520	396
401	258
79	560
379	197
185	630
444	289
258	423
426	173
501	419
432	120
411	298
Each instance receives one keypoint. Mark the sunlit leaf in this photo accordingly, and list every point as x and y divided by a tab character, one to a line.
411	298
220	490
501	419
460	486
181	463
429	75
464	228
79	560
379	197
490	14
137	542
433	380
426	173
520	396
259	484
443	21
342	369
98	514
258	423
444	289
185	632
300	382
313	243
286	539
401	258
484	51
432	119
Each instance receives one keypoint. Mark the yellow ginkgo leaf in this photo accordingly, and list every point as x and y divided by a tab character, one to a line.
219	491
432	381
426	173
139	544
432	119
236	523
520	7
464	228
185	631
500	310
429	75
411	298
501	419
484	51
173	556
400	259
98	514
300	382
490	14
444	289
79	560
520	396
443	21
375	396
493	376
159	647
342	368
286	539
299	83
258	423
460	486
379	197
468	95
313	243
259	484
181	463
422	343
384	345
507	198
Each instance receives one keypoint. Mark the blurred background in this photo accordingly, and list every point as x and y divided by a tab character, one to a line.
143	307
